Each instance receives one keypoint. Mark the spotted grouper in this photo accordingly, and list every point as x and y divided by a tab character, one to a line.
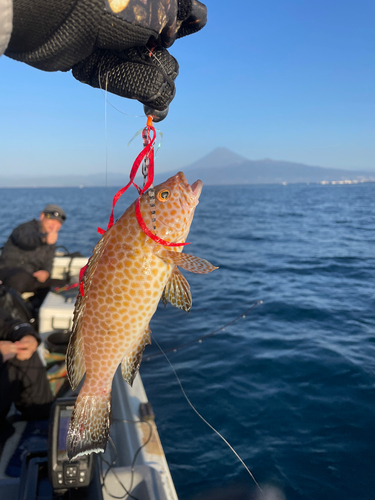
126	277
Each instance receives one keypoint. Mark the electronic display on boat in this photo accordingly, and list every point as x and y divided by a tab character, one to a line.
64	474
63	431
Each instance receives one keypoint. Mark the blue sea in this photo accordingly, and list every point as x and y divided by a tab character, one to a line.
291	386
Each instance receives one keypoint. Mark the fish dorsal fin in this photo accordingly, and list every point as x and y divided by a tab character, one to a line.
87	278
131	361
75	362
94	260
186	261
177	291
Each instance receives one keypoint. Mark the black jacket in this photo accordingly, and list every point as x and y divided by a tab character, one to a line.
25	249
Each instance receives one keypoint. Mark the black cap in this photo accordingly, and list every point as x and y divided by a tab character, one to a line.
55	212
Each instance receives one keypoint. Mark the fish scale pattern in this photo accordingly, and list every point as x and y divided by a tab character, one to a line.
123	283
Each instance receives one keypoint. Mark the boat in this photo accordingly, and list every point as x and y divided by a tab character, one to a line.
134	464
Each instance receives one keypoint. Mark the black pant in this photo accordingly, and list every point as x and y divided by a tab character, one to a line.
25	383
23	281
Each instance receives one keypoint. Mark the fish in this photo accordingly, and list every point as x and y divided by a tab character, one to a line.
126	277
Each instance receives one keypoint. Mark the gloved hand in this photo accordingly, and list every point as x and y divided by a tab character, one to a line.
118	44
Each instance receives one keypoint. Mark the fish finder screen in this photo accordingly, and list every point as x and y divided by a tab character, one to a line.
63	431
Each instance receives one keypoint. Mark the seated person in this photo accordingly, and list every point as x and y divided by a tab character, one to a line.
26	259
22	375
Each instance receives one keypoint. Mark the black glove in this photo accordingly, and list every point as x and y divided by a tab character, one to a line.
115	43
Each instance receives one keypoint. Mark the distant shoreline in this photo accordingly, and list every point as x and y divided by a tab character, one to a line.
221	167
345	182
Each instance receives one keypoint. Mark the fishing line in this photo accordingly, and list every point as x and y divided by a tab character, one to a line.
200	339
122	112
205	421
106	135
105	93
150	54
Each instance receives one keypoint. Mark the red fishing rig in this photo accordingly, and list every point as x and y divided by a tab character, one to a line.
147	156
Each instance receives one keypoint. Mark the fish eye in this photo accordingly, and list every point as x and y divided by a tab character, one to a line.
163	195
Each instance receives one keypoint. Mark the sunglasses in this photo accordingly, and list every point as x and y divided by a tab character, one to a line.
55	215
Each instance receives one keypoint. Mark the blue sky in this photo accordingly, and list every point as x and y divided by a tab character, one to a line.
283	79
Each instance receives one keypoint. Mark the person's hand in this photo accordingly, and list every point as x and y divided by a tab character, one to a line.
41	276
26	347
8	349
51	237
116	44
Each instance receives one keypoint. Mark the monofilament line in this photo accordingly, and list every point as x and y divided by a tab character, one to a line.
106	135
105	93
205	421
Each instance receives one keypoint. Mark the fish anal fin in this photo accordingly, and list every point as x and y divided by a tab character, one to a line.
131	362
75	362
186	261
177	291
89	425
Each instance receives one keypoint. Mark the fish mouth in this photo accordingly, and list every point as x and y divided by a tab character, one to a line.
195	189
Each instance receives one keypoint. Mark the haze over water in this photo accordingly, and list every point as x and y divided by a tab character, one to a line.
291	385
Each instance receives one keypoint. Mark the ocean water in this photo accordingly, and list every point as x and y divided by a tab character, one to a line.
291	385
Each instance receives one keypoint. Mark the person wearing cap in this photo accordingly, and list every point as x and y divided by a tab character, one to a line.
27	256
23	378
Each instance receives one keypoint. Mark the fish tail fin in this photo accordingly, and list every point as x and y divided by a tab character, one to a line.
89	425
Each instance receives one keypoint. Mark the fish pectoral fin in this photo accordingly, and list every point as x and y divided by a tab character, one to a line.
131	362
75	361
177	291
186	261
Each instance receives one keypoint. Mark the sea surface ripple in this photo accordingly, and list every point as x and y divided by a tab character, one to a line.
291	385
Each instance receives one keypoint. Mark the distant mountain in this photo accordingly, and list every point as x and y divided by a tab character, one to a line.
223	167
220	167
219	157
